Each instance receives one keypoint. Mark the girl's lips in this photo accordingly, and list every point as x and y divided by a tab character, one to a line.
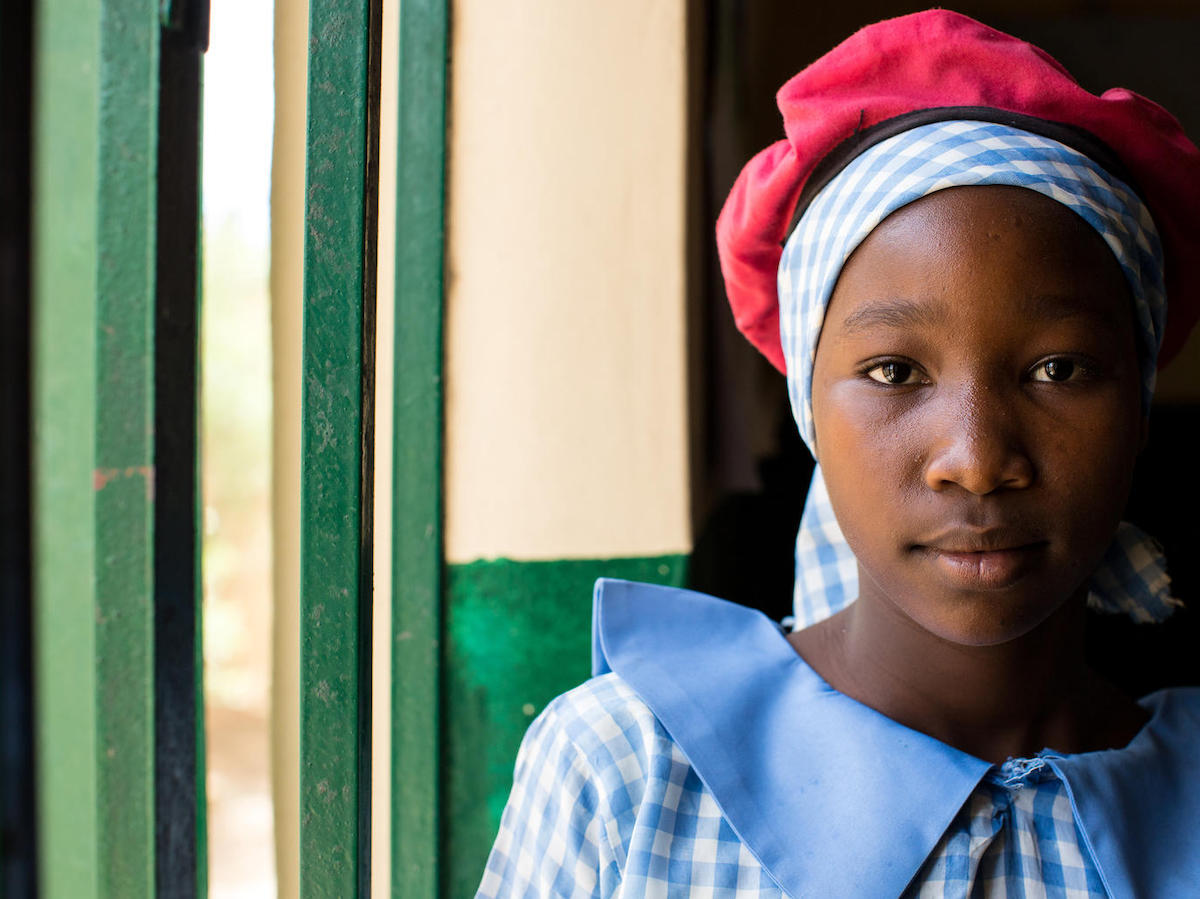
991	569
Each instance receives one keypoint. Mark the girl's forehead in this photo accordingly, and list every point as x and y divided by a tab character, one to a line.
1007	234
993	209
985	244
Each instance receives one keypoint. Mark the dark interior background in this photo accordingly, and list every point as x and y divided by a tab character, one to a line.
750	469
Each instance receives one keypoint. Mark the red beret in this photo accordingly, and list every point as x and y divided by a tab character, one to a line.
943	61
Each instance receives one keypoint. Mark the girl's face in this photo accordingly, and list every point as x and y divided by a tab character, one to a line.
977	408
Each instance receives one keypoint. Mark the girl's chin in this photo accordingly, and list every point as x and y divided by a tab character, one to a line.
984	618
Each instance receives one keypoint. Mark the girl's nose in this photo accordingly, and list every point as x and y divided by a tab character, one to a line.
977	446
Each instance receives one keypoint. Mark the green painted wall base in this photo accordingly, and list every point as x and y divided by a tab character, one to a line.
518	634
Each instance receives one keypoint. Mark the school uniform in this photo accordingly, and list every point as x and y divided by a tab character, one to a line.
706	758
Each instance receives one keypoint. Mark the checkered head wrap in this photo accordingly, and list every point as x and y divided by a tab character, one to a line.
893	173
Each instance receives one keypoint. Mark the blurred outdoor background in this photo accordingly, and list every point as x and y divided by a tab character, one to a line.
236	446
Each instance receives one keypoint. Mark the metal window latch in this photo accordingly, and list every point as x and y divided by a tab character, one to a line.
189	19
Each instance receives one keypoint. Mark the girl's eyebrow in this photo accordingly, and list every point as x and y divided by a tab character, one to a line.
895	313
902	314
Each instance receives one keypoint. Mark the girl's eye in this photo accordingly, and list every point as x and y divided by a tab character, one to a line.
892	373
1055	370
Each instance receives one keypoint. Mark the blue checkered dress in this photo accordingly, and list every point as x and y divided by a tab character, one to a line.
706	758
605	803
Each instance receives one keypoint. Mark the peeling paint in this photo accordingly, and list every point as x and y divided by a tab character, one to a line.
102	477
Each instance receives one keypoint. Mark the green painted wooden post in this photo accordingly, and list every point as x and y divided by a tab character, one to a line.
95	130
335	578
417	502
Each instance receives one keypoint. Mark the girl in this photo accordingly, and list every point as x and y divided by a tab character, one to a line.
961	260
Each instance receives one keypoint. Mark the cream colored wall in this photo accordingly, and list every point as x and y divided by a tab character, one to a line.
565	344
287	276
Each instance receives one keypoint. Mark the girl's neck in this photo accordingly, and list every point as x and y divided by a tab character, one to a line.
994	702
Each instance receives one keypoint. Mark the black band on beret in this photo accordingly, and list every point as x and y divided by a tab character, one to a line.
861	140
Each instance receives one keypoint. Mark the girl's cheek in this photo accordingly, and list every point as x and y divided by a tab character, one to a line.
881	416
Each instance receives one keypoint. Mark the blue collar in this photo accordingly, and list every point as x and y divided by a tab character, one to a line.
833	798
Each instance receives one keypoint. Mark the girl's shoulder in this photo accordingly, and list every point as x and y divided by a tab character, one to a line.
1181	702
604	720
605	803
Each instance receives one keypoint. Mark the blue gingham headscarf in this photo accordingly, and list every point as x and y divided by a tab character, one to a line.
1132	577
